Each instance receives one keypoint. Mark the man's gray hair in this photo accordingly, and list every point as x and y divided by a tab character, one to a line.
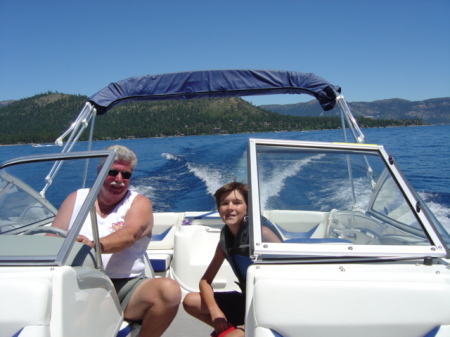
124	154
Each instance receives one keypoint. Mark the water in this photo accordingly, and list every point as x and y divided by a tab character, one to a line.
182	173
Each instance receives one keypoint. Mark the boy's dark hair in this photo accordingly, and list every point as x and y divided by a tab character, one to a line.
241	187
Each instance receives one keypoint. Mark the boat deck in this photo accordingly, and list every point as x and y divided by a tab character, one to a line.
185	325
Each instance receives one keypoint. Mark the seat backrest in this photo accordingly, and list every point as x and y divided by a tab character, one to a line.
164	225
194	248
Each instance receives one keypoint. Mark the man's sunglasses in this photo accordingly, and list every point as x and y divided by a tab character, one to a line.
125	174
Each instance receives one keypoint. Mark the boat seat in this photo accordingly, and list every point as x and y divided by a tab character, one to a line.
194	248
159	262
164	225
298	225
296	221
160	248
296	235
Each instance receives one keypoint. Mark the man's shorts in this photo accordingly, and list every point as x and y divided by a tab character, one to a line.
232	304
125	288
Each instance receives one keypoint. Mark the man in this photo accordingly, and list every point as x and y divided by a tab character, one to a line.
125	221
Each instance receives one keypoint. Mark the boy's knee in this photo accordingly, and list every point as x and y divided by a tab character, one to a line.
188	299
192	302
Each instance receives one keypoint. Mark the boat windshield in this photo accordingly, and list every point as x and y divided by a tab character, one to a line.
26	215
327	199
21	207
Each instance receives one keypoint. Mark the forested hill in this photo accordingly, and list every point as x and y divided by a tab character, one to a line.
42	118
432	111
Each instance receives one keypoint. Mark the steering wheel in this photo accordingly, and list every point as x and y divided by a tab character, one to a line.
52	230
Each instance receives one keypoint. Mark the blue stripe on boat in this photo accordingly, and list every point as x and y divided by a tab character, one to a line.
433	332
17	334
161	236
124	332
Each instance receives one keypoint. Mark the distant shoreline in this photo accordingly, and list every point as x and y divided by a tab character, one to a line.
117	139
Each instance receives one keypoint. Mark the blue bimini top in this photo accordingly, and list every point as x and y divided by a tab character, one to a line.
214	84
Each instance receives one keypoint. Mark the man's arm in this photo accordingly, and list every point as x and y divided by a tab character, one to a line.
64	214
138	223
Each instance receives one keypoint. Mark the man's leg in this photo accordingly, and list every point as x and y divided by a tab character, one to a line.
155	301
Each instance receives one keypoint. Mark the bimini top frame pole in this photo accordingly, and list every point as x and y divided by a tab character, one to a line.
346	114
358	137
74	132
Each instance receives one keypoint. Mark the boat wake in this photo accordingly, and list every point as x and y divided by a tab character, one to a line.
212	176
339	195
436	203
276	181
184	185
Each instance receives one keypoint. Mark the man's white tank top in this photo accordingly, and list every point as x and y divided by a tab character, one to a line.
127	263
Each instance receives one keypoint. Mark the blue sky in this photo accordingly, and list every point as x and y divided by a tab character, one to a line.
372	49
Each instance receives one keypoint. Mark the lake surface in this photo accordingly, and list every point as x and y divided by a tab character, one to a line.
182	173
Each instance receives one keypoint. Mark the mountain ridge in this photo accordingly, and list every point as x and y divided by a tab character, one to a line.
431	111
44	117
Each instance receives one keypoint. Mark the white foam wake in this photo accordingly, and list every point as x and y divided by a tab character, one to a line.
275	178
441	212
